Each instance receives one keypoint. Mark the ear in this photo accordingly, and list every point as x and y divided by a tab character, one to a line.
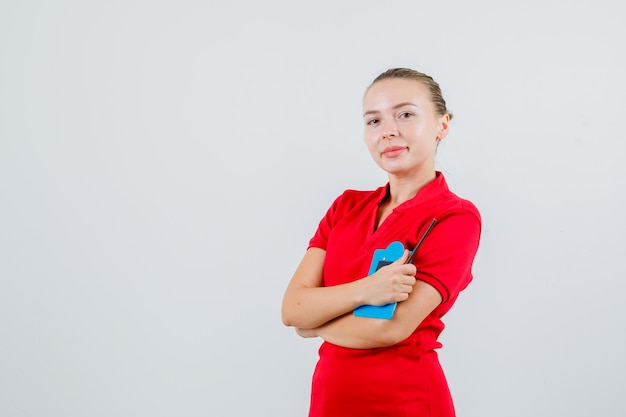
444	125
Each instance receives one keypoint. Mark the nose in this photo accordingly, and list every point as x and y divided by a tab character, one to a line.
390	130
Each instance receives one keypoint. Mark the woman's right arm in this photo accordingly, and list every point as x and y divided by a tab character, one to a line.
307	304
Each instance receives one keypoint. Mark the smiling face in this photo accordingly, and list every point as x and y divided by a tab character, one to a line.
402	127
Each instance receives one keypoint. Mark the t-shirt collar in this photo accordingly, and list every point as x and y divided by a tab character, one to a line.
434	188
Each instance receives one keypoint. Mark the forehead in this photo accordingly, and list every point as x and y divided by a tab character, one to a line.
389	92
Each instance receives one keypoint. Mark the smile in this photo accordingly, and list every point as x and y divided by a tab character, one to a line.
393	151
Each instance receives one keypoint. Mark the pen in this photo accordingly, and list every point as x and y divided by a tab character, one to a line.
430	226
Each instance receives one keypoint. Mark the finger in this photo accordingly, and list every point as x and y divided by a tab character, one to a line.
410	269
406	269
402	297
409	280
403	258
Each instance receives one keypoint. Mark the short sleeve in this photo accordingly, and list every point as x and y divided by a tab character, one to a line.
445	258
320	238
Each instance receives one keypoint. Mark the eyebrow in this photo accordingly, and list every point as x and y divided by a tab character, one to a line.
397	106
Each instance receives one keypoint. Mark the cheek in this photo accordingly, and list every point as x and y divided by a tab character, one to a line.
370	143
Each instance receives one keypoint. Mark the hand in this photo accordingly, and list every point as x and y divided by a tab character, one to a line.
391	283
306	333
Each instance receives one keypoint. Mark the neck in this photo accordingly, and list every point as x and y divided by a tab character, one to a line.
402	189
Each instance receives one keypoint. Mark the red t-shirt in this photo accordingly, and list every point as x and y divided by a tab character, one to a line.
404	379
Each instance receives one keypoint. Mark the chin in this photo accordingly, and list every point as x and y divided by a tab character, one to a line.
395	170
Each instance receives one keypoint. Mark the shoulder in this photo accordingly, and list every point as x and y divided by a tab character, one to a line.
456	204
356	195
451	203
349	205
459	220
351	199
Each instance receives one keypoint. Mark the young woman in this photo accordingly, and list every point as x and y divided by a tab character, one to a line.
373	366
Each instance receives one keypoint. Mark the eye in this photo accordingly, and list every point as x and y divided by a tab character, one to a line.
405	115
372	122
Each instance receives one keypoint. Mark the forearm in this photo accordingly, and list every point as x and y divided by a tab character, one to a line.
365	333
309	308
308	304
359	332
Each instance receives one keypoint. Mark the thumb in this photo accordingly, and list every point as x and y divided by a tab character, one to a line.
403	258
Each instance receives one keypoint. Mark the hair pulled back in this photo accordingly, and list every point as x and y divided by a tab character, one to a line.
409	74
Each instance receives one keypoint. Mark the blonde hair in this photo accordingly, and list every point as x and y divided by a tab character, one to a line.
409	74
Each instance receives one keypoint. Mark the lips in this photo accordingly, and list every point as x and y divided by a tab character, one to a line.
393	151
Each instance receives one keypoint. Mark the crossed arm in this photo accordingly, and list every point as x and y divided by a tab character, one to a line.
326	312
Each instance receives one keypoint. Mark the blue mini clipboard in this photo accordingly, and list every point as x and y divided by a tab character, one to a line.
382	257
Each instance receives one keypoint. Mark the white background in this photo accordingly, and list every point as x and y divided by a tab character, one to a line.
163	165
